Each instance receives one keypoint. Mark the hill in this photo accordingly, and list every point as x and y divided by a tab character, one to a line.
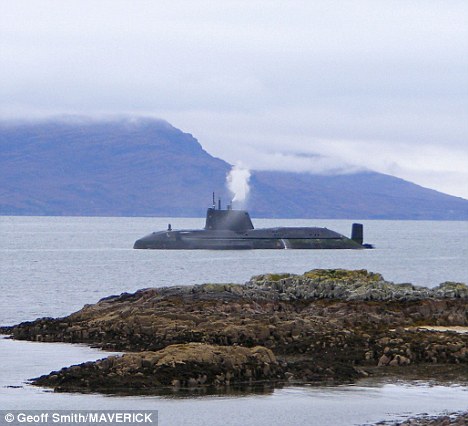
146	167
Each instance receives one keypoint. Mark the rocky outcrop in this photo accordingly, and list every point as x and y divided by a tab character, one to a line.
340	284
324	324
188	365
272	311
405	347
456	419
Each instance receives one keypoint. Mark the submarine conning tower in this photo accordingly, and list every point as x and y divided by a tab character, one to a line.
228	220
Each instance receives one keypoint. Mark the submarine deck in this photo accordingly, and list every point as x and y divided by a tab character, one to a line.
267	238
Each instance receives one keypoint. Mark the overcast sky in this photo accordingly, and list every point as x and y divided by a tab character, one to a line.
376	84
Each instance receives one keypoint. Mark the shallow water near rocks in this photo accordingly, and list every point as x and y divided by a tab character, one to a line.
52	266
365	402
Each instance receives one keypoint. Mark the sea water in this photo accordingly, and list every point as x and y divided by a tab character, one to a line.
52	266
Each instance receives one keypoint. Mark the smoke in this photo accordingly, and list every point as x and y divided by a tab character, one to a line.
238	183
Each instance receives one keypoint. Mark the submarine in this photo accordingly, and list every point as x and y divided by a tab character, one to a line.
229	229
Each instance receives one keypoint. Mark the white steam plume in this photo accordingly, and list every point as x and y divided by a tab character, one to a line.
238	182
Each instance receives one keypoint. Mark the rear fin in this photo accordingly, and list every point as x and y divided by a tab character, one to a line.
357	233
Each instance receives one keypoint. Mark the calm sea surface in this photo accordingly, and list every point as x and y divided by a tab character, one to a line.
52	266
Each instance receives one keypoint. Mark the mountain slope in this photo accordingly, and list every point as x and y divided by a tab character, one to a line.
104	168
148	167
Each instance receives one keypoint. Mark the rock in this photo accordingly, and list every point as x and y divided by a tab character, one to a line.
190	365
398	360
456	419
383	360
394	362
451	289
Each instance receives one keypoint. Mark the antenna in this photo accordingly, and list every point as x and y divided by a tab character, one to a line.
214	203
219	203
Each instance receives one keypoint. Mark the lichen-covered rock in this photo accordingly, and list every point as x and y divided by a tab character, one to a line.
347	285
451	289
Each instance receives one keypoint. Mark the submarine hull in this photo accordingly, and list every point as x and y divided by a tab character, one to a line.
289	238
233	230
